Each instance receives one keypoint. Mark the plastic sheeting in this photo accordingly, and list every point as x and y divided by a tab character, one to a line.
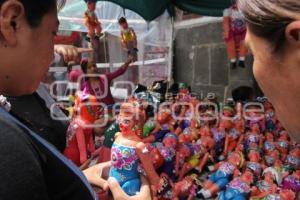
154	39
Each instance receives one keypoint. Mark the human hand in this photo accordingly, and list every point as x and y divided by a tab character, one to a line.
69	52
97	175
119	194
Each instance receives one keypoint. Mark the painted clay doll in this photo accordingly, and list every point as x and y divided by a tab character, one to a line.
203	152
128	151
219	134
283	145
239	188
269	144
80	144
254	163
234	35
292	162
271	159
184	93
128	38
164	125
234	136
186	189
268	185
222	176
253	138
168	152
184	153
292	182
91	21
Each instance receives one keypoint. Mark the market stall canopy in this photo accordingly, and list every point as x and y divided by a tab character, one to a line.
151	9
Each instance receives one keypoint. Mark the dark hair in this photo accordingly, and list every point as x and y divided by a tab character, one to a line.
84	66
122	20
36	9
268	18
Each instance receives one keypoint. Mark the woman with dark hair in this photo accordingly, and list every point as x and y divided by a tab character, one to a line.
31	168
99	84
274	39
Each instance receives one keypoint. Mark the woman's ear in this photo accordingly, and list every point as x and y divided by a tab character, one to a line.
12	14
292	33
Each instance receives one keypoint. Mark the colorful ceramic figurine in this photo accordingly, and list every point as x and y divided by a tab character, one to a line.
187	188
80	144
128	38
267	186
168	152
164	125
91	21
269	144
128	152
238	189
224	173
254	163
234	35
292	182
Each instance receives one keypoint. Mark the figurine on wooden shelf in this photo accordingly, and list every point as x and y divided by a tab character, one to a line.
80	144
224	173
234	35
128	39
128	152
239	188
92	22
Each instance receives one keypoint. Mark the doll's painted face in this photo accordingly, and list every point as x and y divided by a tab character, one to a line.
185	151
247	177
163	117
254	156
255	128
234	159
91	6
124	25
269	136
269	177
127	117
157	158
240	124
170	142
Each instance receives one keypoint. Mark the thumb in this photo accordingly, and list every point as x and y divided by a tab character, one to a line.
116	189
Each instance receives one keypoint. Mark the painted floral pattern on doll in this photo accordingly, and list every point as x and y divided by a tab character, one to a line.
227	168
123	157
240	185
125	168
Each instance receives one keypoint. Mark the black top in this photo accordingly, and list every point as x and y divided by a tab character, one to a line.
30	170
33	112
21	174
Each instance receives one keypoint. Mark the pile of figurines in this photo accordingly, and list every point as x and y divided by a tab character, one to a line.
194	149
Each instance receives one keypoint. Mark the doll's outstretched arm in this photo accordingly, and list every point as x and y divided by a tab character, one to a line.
146	161
185	169
226	144
81	145
203	161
